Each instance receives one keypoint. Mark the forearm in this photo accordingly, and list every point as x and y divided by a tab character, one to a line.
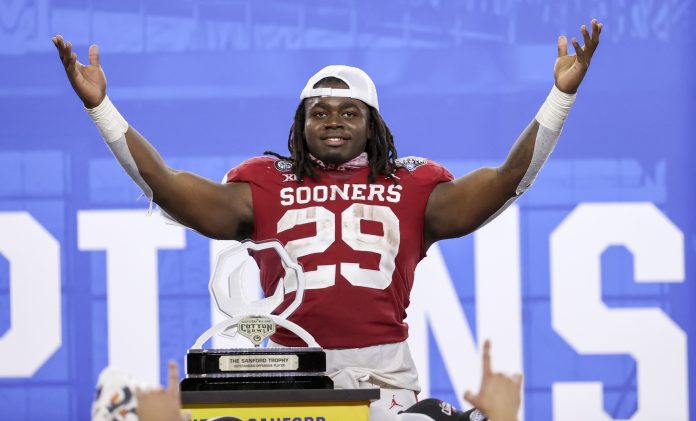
534	146
470	202
137	156
537	141
214	210
518	161
150	166
130	149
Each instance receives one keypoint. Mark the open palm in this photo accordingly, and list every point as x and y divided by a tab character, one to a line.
569	70
89	82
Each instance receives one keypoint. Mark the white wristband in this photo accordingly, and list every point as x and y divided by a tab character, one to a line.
108	120
553	113
113	127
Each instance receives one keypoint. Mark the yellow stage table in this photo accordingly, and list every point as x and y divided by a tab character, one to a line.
281	405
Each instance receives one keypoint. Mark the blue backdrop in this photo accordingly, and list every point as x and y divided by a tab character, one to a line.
213	82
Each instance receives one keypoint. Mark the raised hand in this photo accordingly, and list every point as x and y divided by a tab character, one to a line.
569	70
162	404
89	82
499	395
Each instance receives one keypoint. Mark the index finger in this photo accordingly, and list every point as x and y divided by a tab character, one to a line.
172	377
586	37
58	42
486	357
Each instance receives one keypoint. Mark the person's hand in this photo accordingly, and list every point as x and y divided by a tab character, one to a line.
569	70
89	81
499	395
162	404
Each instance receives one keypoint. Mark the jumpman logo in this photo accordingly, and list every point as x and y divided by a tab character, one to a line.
394	402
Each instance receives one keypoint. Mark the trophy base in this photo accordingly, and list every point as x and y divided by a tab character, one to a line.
265	381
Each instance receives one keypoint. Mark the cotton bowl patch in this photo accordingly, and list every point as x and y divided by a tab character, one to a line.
283	165
410	162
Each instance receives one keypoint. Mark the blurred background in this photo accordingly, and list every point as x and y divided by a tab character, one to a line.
586	285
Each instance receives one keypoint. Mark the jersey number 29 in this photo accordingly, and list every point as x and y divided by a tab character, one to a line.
386	245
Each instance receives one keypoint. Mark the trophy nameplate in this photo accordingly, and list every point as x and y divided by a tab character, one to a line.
250	360
257	367
258	363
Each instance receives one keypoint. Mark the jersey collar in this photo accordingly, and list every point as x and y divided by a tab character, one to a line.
359	161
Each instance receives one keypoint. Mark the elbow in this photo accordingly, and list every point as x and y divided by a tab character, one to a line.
162	185
512	181
239	233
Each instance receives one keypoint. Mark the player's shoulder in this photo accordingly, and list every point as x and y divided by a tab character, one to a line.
281	165
258	167
421	167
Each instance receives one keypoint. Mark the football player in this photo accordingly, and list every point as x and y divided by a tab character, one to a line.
357	217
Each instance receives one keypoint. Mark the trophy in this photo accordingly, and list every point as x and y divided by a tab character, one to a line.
258	368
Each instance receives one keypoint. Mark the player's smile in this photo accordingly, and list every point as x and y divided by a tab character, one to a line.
336	128
335	141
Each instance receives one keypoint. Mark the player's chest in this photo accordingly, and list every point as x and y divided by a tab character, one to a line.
345	211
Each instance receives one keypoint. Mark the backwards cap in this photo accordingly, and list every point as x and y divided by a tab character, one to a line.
360	86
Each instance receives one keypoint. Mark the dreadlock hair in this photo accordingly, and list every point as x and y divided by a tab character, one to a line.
381	152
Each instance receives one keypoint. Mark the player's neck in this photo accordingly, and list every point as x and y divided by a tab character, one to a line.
359	161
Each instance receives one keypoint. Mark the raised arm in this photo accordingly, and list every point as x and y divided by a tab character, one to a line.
213	209
459	207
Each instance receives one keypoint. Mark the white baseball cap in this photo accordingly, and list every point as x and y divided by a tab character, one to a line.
360	86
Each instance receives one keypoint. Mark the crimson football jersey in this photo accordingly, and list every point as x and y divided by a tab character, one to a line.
357	242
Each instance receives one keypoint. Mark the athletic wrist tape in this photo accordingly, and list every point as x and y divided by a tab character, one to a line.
554	111
108	120
113	127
